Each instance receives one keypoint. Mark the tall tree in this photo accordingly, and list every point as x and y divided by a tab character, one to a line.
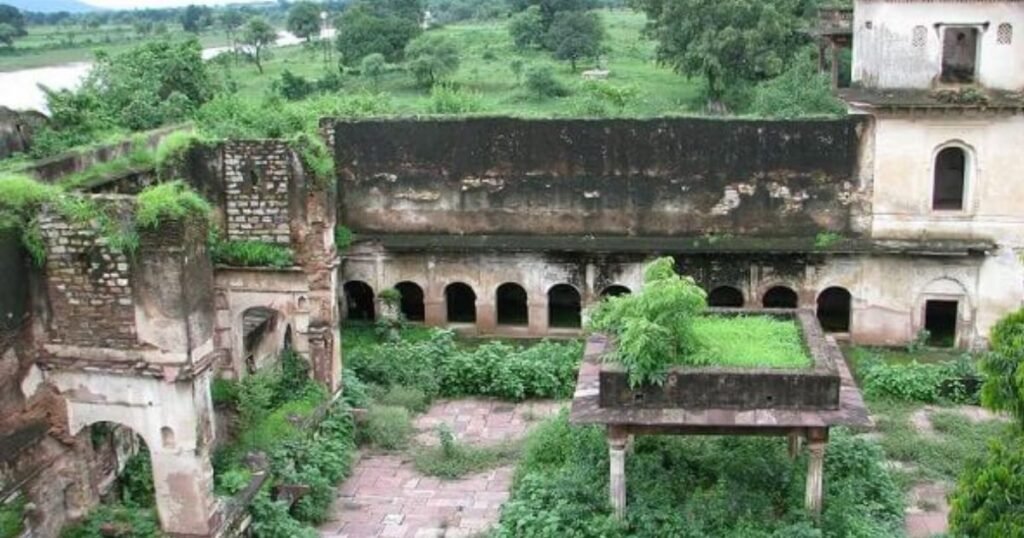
304	20
431	58
363	30
194	18
7	34
10	15
258	35
575	35
725	41
231	20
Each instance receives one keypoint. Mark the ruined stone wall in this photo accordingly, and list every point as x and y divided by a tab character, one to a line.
88	286
257	175
604	177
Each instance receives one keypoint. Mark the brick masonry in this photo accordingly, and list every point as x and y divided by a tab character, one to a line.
89	287
256	177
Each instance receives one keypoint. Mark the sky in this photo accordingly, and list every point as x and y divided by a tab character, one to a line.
140	4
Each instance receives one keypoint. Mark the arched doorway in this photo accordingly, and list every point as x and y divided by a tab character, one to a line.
510	300
779	297
834	309
950	179
260	336
726	297
411	304
564	307
615	290
460	301
359	300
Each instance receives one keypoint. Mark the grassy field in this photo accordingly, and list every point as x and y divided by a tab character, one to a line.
53	45
485	74
750	342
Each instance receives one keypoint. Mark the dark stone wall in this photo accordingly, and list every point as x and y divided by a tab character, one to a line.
14	284
659	177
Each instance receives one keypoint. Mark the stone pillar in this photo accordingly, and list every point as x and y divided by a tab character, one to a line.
816	441
617	441
538	317
795	443
486	317
834	50
183	481
435	313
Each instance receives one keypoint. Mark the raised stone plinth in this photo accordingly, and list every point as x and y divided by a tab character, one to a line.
713	387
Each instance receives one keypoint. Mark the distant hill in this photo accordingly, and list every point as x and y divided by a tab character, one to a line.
50	6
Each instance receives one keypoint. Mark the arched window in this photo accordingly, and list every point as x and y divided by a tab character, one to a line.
615	290
834	309
564	306
460	300
511	304
779	297
411	304
257	323
950	179
725	297
359	300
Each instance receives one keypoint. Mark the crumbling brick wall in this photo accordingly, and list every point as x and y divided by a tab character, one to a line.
256	178
89	287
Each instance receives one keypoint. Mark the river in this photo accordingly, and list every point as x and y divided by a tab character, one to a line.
20	90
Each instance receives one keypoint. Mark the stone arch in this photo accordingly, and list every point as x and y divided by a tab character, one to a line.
263	331
167	437
779	297
511	304
411	305
834	309
460	303
615	290
726	297
565	307
359	300
951	176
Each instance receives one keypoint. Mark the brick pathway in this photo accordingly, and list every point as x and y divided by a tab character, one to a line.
386	497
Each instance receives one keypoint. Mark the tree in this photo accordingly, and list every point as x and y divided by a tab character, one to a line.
575	35
193	17
258	35
7	34
11	16
800	91
725	41
1004	368
541	81
527	28
432	58
304	20
362	30
231	20
372	67
548	9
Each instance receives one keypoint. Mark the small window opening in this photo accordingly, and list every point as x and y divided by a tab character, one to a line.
959	55
725	297
920	37
615	290
940	322
834	310
512	307
1004	34
411	305
780	297
950	172
461	303
564	307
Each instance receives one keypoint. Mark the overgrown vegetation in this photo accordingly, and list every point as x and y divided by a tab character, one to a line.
12	518
387	427
699	487
955	380
251	254
749	341
436	365
451	459
133	514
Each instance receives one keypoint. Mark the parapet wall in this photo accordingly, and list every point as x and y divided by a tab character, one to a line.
257	176
659	177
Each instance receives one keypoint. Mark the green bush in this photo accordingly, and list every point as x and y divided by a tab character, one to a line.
1004	367
168	201
355	391
451	460
541	82
450	99
695	487
170	153
387	427
411	398
989	497
127	522
251	254
955	381
653	328
294	87
12	518
136	480
799	92
224	392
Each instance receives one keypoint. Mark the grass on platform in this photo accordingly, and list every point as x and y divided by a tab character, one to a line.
750	342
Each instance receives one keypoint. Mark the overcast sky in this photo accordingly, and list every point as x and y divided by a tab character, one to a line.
130	4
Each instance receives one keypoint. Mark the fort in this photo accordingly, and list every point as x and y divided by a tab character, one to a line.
898	220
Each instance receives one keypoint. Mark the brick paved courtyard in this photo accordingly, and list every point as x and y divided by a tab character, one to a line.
387	497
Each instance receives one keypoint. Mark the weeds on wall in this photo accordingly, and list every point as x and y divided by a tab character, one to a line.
12	518
250	253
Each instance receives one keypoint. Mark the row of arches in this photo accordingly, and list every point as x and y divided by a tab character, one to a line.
565	303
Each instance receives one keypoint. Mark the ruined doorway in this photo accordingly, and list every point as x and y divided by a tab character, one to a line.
950	176
615	290
260	337
779	297
940	322
359	300
959	55
564	307
834	310
411	304
460	301
511	304
726	297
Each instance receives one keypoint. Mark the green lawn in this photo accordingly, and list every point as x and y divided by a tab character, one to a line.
52	45
750	342
487	53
